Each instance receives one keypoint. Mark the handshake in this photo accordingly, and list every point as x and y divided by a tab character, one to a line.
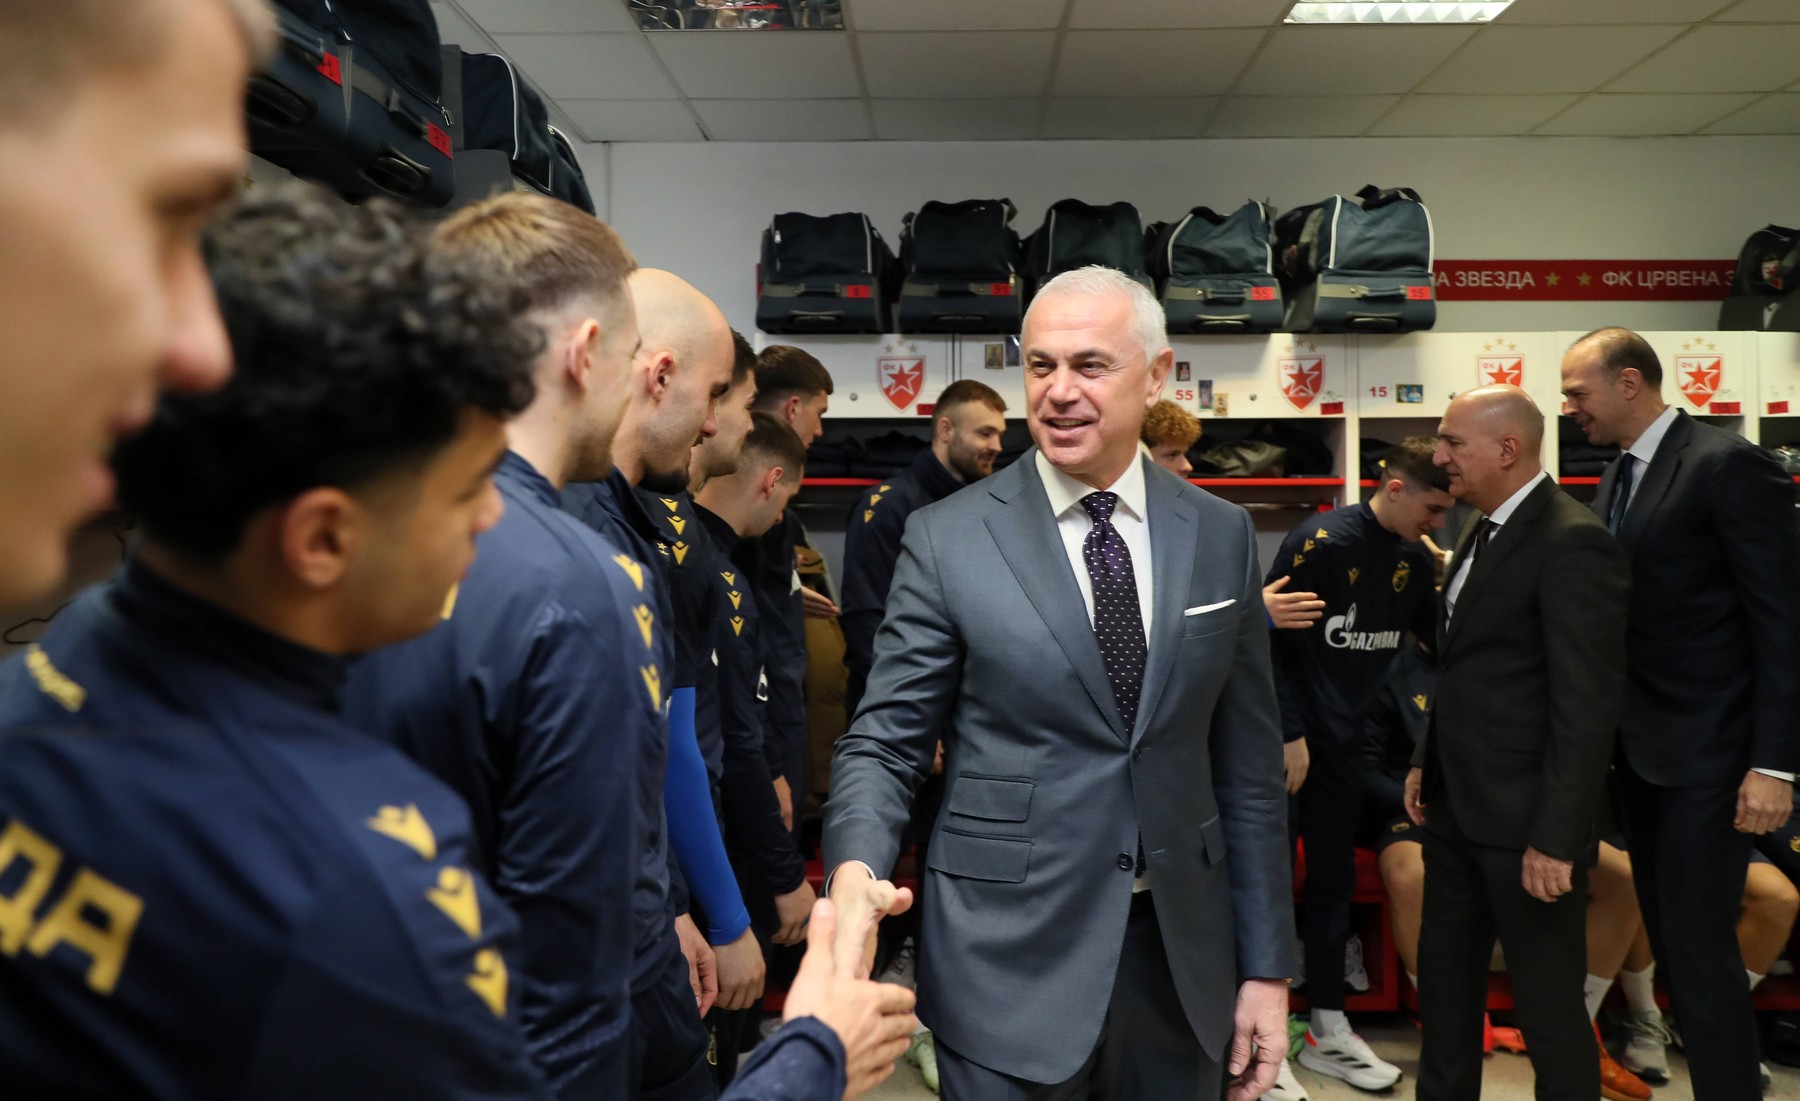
874	1020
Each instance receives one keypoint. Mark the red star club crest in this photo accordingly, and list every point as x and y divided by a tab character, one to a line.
902	377
1501	370
1302	377
1699	377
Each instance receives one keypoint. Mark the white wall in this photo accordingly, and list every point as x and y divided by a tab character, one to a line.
699	208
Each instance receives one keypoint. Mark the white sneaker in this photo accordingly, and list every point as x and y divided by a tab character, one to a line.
1356	976
1346	1055
1646	1053
900	970
1286	1087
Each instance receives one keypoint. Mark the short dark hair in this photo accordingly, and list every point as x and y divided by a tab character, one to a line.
351	361
1621	348
965	391
783	371
1410	461
772	442
50	44
743	358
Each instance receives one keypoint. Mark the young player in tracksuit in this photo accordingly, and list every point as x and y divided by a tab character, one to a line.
1366	563
733	507
214	886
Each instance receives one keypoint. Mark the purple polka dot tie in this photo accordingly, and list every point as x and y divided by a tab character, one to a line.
1118	621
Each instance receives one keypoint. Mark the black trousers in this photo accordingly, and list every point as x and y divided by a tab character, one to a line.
1147	1051
669	1043
1689	864
1474	893
1330	812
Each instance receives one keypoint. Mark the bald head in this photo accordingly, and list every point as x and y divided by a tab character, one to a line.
1489	444
682	369
674	316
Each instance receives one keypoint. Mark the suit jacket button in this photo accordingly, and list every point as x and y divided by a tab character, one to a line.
1137	754
1126	863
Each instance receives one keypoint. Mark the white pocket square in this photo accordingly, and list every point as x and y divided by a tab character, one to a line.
1204	608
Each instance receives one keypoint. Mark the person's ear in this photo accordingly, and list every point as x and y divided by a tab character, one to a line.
319	534
661	375
771	480
1395	487
579	354
790	409
943	429
1159	374
1630	382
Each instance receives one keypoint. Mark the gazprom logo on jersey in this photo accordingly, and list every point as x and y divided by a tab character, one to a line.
1341	635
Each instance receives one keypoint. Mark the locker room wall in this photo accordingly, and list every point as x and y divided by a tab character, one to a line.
699	208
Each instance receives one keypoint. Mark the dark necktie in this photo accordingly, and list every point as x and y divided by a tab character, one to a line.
1622	492
1118	621
1466	564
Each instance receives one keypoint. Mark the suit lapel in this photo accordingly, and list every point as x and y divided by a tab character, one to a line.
1510	535
1458	554
1026	534
1173	537
1603	495
1656	481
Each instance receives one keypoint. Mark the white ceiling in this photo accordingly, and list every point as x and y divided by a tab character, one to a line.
999	70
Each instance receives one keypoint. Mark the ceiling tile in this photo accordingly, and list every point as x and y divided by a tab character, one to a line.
1297	116
1762	11
1609	11
1110	64
1777	114
588	66
956	119
1468	116
783	119
1511	60
1163	14
1349	60
1127	118
1635	116
956	15
549	16
721	65
632	119
1720	59
956	65
454	30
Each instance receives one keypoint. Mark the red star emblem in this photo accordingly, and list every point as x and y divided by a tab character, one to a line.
1501	370
1302	378
1700	377
901	377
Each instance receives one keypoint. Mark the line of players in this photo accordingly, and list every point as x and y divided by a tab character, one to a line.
1349	597
373	773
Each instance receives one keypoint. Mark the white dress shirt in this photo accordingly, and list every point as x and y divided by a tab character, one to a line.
1498	518
1643	450
1131	517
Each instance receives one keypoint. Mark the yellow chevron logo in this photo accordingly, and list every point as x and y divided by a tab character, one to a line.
737	598
653	684
730	578
678	524
681	550
488	981
1321	534
1421	701
407	826
52	681
1309	545
884	489
455	896
1299	558
1354	574
875	499
645	620
631	568
737	624
671	502
868	514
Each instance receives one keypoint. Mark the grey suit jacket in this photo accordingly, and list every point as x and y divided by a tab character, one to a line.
1028	883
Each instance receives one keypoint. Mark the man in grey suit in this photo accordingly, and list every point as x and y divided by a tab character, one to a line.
1089	628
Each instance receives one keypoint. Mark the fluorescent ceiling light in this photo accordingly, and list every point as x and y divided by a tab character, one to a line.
1404	14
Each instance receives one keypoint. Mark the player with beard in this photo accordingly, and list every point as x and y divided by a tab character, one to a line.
682	368
968	422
